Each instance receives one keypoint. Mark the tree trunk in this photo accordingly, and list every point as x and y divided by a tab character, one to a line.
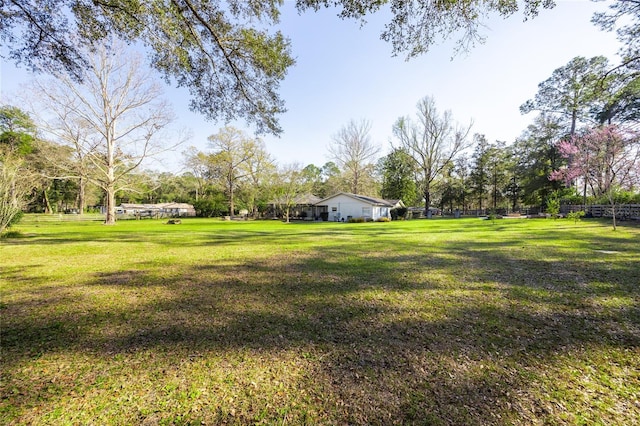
427	200
584	193
230	186
81	200
514	200
356	183
47	203
613	213
110	218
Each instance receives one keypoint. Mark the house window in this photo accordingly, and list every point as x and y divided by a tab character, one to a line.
366	211
334	209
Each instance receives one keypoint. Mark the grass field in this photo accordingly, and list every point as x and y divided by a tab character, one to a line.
431	322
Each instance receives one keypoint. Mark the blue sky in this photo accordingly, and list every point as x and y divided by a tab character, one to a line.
344	71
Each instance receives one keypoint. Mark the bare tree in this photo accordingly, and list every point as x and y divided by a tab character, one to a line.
289	186
228	163
432	141
355	154
115	118
197	163
259	170
67	130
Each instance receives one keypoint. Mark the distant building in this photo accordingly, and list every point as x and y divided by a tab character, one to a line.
128	210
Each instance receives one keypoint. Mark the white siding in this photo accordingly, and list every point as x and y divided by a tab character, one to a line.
343	207
381	212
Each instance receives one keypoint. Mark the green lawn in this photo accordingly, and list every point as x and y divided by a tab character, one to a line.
430	322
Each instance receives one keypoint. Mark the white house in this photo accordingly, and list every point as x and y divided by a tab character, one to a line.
155	210
344	206
177	209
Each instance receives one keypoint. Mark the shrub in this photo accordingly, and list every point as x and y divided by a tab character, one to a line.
16	218
357	220
553	206
399	213
576	216
383	219
10	215
620	197
210	207
492	216
11	234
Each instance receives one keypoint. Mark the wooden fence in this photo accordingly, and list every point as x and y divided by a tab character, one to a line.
59	217
623	211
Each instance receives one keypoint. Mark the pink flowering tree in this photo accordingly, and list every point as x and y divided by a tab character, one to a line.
606	159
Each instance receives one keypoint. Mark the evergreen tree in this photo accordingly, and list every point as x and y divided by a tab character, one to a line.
398	177
538	157
479	173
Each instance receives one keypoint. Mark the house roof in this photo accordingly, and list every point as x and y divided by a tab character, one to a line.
396	203
138	206
175	205
301	199
132	206
363	198
307	199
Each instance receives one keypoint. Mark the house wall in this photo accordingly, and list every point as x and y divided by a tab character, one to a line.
382	212
343	206
155	210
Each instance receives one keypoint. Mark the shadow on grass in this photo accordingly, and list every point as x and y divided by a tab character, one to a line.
461	334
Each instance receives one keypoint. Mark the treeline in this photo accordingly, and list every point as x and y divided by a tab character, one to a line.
582	147
82	138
